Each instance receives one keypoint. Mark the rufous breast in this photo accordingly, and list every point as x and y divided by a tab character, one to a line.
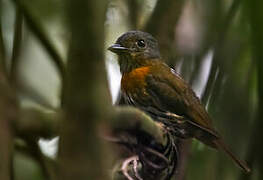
134	80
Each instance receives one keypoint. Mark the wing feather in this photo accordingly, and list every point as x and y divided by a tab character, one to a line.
175	96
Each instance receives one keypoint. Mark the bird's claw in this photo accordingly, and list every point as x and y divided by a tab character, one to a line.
132	161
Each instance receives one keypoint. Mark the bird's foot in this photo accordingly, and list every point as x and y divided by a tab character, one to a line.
131	162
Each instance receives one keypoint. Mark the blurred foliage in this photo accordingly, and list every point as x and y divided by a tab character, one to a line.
232	87
26	168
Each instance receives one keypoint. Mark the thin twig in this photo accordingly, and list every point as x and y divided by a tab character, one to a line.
2	51
39	32
32	149
16	47
37	154
8	106
7	114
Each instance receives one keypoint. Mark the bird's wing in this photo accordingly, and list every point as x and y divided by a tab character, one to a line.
172	94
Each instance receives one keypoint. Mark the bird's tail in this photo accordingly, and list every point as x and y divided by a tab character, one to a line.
242	164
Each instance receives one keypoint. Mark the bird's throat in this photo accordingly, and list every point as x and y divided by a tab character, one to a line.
127	64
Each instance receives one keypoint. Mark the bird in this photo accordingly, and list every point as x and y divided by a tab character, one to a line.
152	86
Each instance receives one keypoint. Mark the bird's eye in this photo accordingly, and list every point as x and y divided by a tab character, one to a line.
141	43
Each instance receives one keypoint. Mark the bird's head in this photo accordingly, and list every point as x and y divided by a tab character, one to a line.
135	49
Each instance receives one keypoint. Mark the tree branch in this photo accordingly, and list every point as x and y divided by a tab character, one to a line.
162	25
129	118
36	123
145	142
31	148
86	99
8	113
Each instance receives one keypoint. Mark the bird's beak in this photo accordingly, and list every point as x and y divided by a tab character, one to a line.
117	48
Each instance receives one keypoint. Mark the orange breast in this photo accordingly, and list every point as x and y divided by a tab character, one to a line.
134	80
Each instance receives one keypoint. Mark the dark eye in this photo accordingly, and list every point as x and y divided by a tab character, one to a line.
141	43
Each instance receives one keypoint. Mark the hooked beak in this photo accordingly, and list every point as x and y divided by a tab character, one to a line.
117	48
